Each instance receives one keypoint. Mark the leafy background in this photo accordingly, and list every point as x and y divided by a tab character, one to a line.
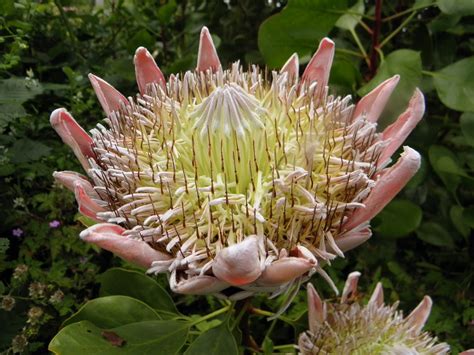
422	242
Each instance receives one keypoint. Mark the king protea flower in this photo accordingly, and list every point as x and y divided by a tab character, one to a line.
236	177
348	327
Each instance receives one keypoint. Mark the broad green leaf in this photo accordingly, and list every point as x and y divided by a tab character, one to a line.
468	216
456	7
216	341
467	127
25	150
297	28
147	337
445	165
18	90
118	281
458	219
398	219
455	85
350	20
434	233
406	63
113	311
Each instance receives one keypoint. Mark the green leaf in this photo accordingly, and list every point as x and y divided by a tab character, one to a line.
457	217
455	85
406	63
297	28
18	90
467	127
398	219
147	337
113	311
118	281
445	164
166	11
433	233
468	216
218	340
456	7
26	150
4	245
350	20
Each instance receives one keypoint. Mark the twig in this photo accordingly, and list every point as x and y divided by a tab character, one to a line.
375	38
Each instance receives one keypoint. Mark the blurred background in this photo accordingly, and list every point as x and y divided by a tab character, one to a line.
423	240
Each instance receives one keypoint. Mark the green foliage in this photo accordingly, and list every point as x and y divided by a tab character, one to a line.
422	241
298	28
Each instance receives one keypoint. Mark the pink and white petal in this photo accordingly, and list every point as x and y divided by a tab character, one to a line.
319	67
316	309
398	131
87	206
239	264
69	178
146	70
207	55
377	296
418	317
109	237
350	287
109	97
73	135
467	352
352	239
292	67
198	285
285	270
389	183
374	102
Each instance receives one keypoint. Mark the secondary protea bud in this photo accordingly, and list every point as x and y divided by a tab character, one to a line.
349	327
236	177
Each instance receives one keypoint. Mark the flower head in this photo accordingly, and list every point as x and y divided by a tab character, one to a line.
236	177
348	327
54	224
17	232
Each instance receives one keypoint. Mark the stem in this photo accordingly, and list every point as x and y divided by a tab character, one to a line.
348	51
262	312
359	44
212	315
286	346
404	12
429	73
397	30
375	38
366	27
241	307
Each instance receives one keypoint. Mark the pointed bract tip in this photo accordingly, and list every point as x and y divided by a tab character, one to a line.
418	317
377	296
291	66
350	287
207	55
316	308
146	70
319	67
109	97
56	115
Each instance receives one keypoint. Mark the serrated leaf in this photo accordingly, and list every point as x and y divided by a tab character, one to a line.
406	63
299	27
26	150
119	281
18	90
455	85
113	311
147	337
